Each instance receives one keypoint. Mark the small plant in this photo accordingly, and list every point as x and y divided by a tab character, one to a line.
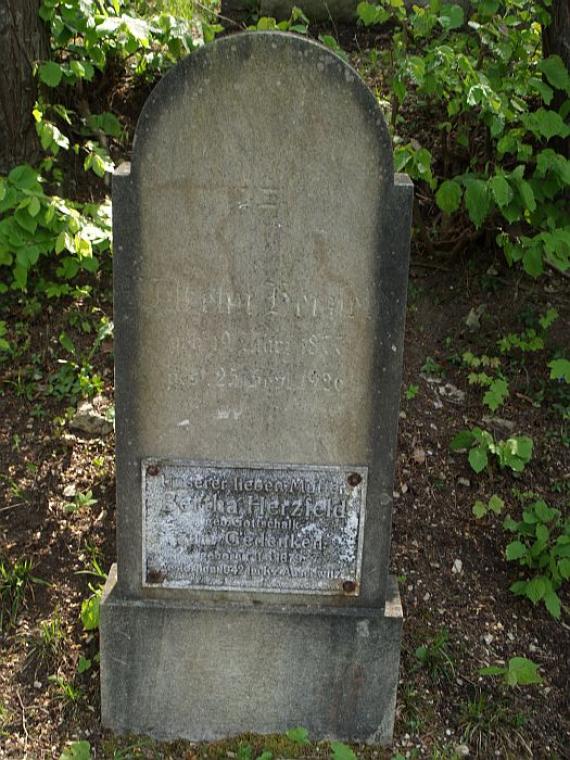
435	656
487	725
48	646
80	500
412	391
495	505
80	750
15	583
514	452
65	690
341	751
519	671
90	607
298	735
542	545
432	368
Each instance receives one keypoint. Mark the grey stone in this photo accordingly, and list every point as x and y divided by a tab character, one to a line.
260	285
87	419
207	672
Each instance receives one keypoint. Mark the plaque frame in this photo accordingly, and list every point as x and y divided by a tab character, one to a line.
347	586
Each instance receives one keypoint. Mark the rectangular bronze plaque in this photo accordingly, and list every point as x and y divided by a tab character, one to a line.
233	527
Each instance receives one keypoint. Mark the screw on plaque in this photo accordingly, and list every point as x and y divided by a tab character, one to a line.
155	576
349	587
354	479
152	470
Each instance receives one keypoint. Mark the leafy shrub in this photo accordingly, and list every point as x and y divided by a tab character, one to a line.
542	545
513	453
36	227
519	671
481	82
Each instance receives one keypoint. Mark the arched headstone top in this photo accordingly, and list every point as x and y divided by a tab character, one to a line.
283	77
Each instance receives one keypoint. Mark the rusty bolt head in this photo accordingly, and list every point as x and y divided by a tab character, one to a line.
354	479
349	587
155	576
152	470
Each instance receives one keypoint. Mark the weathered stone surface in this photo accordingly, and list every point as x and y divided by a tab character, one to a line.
260	278
262	528
208	672
261	251
89	419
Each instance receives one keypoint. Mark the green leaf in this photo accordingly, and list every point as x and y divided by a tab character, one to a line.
463	440
451	16
34	206
83	664
522	671
342	751
496	395
298	735
552	603
564	568
77	751
478	458
477	200
266	755
480	509
546	124
560	369
533	261
50	73
496	504
492	670
448	196
66	342
535	589
90	613
500	190
516	550
555	71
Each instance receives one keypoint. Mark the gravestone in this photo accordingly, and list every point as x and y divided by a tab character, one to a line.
261	251
315	10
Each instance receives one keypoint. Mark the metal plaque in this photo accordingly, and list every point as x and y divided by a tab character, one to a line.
233	527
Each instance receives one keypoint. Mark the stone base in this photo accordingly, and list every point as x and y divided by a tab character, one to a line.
172	670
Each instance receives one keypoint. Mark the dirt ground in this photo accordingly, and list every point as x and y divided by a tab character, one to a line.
451	567
57	512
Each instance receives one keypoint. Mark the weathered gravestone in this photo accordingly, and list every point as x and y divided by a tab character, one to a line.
261	248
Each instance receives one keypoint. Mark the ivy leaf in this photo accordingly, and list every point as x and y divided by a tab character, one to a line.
448	196
560	369
50	73
496	504
477	200
500	190
479	509
555	71
496	395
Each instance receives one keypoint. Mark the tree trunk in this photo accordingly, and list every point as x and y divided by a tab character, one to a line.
23	41
556	41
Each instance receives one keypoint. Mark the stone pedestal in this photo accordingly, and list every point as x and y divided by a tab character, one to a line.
205	672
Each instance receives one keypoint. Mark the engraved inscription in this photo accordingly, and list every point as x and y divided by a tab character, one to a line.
263	528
